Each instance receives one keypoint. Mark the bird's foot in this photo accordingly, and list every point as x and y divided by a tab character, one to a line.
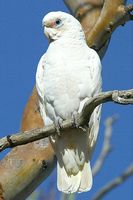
75	122
84	129
58	124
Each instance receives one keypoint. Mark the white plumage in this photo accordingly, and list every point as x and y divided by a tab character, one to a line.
68	74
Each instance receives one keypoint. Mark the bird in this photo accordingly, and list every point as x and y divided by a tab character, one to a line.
67	76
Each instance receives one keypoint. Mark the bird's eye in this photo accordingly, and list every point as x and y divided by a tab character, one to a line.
58	22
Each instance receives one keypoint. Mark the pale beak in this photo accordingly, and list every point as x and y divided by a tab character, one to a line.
46	31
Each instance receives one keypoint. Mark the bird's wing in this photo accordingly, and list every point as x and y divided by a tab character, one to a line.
41	89
39	78
91	83
95	70
96	85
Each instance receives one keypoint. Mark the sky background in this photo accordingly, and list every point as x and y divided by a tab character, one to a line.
22	43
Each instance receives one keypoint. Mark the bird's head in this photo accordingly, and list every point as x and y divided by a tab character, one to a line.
60	24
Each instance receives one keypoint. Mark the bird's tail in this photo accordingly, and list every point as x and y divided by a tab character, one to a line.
80	182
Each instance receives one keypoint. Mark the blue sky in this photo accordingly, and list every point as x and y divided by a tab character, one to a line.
21	45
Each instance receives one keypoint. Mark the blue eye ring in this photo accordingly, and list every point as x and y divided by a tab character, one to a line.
58	22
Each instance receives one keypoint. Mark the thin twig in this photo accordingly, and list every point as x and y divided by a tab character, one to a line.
67	196
114	183
121	97
106	149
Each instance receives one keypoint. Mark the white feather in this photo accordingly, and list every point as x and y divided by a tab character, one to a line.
68	74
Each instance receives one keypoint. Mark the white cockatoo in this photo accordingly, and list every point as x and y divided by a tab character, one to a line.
68	74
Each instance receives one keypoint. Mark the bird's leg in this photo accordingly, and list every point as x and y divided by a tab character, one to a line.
58	123
75	122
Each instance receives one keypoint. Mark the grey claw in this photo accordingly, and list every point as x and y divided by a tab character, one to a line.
58	123
84	129
75	123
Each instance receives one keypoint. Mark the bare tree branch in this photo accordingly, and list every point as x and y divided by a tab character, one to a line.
103	17
88	12
112	15
114	183
121	97
106	149
67	196
79	8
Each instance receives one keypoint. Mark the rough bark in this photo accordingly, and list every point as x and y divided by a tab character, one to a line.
99	19
25	167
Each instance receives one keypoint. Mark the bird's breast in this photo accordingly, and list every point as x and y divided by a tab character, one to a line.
66	80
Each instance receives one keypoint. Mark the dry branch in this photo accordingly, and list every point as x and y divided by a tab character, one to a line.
113	14
114	183
121	97
106	148
103	17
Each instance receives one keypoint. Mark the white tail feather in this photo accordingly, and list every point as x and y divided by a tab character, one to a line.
86	178
81	182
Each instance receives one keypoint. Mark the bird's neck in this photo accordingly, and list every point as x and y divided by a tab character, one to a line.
71	40
75	36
